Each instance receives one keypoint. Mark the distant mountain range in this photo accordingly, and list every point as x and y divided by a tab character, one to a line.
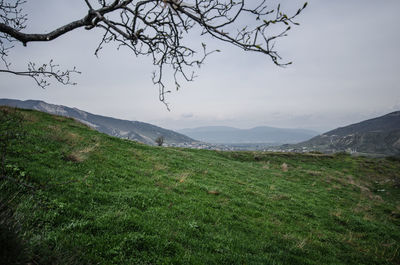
133	130
378	136
264	134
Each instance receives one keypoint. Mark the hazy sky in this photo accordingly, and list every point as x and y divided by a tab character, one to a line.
346	68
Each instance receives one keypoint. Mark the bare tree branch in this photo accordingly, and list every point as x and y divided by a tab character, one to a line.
44	73
157	28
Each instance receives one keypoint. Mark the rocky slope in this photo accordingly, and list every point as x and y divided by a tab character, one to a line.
378	136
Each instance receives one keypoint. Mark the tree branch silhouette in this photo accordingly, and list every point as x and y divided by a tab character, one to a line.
158	28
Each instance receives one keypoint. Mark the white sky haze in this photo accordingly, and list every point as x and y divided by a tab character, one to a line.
346	68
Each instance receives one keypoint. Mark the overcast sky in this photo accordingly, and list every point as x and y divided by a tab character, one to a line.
346	68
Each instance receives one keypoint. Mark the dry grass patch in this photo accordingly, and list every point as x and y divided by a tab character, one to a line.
158	166
74	157
352	237
314	183
289	237
73	137
284	167
361	207
57	133
182	177
60	118
88	149
240	182
54	128
29	117
368	217
267	165
82	154
336	213
301	243
350	181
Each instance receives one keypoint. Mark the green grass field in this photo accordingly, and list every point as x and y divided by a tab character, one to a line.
76	196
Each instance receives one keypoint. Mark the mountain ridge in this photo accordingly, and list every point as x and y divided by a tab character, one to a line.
378	136
133	130
259	134
387	122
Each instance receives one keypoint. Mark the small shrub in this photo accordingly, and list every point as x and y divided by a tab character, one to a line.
160	140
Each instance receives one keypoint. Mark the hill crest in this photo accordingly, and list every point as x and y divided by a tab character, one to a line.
132	130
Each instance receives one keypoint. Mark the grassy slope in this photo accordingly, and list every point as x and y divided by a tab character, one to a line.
102	200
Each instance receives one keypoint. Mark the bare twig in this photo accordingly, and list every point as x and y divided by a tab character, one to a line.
156	28
44	73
